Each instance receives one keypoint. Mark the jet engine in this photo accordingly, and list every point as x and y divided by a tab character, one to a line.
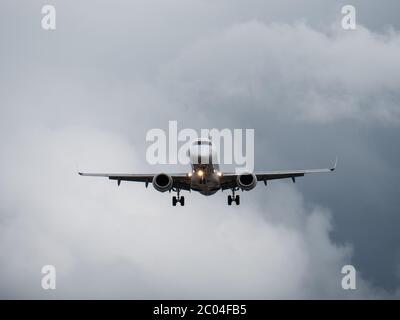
162	182
246	181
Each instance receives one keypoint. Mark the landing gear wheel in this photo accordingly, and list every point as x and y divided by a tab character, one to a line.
229	200
233	197
178	198
174	201
237	200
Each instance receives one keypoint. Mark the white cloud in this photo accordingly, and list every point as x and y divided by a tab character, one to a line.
129	242
293	71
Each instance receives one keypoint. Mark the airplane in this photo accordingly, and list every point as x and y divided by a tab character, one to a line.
205	176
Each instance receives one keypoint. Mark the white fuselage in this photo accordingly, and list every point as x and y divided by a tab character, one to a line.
205	175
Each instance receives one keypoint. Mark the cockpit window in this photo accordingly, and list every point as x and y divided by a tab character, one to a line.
202	142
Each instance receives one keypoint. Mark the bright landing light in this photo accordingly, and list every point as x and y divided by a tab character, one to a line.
200	173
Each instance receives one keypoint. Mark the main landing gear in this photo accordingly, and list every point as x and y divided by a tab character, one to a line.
233	198
177	199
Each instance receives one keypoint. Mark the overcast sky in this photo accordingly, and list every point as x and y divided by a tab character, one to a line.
85	95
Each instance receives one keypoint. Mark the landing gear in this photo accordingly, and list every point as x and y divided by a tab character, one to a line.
237	200
233	198
177	199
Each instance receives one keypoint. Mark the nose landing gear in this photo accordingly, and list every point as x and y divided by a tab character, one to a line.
233	198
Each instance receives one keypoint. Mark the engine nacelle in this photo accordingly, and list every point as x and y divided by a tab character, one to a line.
162	182
247	181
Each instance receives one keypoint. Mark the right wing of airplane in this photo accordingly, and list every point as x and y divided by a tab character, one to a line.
180	180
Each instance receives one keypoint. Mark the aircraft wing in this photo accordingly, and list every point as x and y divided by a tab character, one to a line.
180	180
229	180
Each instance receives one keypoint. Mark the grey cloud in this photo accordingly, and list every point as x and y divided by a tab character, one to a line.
322	78
109	242
87	93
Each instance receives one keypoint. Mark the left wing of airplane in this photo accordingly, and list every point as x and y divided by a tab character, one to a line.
229	180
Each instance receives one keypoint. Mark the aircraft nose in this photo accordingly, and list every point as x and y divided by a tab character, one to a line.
200	155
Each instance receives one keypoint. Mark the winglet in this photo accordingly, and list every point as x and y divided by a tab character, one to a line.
77	169
334	166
